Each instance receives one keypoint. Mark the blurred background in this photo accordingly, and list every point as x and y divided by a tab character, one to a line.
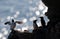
21	10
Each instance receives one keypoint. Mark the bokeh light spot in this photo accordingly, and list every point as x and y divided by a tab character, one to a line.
25	20
37	13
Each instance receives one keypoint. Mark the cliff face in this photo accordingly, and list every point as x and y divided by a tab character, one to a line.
53	9
19	35
40	33
51	3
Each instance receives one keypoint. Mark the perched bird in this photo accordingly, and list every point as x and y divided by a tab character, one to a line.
42	21
35	24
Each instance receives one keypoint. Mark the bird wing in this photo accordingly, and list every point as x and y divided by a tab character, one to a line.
19	22
35	24
7	23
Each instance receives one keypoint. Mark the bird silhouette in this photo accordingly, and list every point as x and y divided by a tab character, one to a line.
35	24
42	21
12	23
